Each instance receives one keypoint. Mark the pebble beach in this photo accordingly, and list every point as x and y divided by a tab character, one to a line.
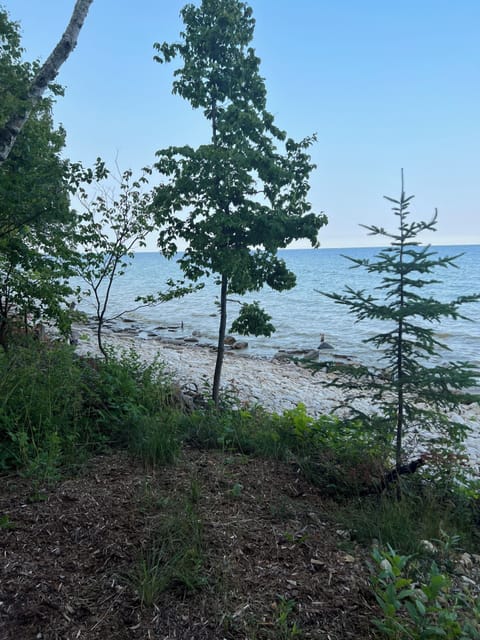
275	384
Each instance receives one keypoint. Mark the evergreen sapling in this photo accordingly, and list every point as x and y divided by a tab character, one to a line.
414	390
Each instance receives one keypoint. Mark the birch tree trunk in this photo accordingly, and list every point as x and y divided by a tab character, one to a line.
46	74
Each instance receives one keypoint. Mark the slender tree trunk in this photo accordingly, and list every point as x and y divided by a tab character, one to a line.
46	74
3	335
223	296
221	341
400	399
398	446
100	339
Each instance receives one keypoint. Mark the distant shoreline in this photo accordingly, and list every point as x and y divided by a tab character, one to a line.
343	248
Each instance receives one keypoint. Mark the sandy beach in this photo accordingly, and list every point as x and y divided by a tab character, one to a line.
273	384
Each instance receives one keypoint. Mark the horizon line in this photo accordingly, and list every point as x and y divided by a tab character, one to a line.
364	246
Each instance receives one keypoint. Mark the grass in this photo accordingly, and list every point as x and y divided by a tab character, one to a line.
424	513
173	558
155	439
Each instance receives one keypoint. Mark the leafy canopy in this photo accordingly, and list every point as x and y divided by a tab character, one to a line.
36	221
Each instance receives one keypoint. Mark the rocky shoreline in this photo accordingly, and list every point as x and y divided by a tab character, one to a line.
129	327
277	384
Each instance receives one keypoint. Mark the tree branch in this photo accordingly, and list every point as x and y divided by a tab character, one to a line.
46	74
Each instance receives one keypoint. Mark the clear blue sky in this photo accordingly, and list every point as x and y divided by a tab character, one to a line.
384	85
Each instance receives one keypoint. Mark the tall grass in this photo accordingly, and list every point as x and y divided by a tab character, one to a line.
57	408
424	514
41	408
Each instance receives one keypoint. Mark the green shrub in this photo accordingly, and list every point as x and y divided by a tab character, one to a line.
341	456
121	391
57	408
41	419
422	605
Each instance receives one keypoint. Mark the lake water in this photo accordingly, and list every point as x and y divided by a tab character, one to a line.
302	314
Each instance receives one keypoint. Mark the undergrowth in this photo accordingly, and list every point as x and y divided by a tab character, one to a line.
56	409
422	599
173	556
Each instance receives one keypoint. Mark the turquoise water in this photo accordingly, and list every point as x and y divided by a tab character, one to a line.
301	314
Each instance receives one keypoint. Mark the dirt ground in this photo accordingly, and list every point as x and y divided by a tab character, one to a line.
274	567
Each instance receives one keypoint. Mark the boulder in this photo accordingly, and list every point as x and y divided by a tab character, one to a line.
240	345
323	344
311	355
282	356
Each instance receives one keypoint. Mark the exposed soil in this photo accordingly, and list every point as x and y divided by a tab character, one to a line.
271	559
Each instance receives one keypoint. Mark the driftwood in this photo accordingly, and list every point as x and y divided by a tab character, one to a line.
404	469
392	476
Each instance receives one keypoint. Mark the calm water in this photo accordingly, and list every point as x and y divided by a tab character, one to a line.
302	314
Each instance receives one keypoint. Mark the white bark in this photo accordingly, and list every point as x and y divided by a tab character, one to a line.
46	74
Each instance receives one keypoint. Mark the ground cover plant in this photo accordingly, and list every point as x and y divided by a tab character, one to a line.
423	601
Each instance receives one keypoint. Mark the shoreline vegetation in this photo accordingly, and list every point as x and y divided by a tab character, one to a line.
276	384
230	522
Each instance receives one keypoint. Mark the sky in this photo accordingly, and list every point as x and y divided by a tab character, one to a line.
384	85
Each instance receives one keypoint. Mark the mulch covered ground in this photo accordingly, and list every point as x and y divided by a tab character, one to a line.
274	568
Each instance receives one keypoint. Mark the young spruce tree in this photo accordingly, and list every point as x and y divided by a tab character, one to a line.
236	199
413	389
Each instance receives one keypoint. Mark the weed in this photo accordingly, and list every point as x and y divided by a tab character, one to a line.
37	496
285	628
6	523
281	510
150	577
236	490
195	491
295	538
422	606
155	438
173	557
